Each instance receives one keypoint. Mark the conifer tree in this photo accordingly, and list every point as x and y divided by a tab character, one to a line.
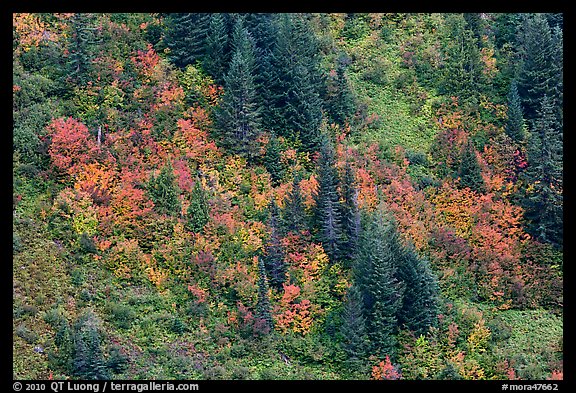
420	301
296	107
272	160
379	255
537	71
544	175
469	172
340	99
89	360
328	219
81	47
198	214
186	37
293	215
462	75
238	117
355	339
263	307
515	124
350	213
217	48
274	257
164	191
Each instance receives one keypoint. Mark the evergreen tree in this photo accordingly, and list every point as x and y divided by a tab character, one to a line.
379	255
515	124
328	220
462	74
274	257
350	213
272	160
469	172
420	301
294	215
238	117
355	339
340	99
536	70
164	191
198	214
557	83
263	307
544	175
89	360
82	44
217	47
63	359
296	108
185	36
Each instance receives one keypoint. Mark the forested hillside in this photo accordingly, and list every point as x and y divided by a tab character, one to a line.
287	196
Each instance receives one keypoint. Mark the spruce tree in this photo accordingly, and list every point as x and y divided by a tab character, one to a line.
462	74
185	36
272	160
355	339
295	106
82	44
469	172
89	360
198	214
350	213
538	75
164	191
263	307
328	221
340	99
217	48
238	117
515	124
379	255
544	176
294	215
420	301
274	254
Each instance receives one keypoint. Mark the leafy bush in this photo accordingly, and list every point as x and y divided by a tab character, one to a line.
122	316
28	335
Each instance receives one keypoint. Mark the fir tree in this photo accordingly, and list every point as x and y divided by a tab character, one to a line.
293	214
89	360
515	124
185	36
238	117
350	213
420	301
198	209
295	106
539	74
462	75
355	339
379	255
544	175
81	47
272	160
217	47
274	257
327	214
469	172
263	307
340	99
164	191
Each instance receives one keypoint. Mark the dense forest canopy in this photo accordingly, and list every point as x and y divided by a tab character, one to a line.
287	196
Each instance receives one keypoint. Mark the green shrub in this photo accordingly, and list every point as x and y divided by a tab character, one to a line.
122	316
28	335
